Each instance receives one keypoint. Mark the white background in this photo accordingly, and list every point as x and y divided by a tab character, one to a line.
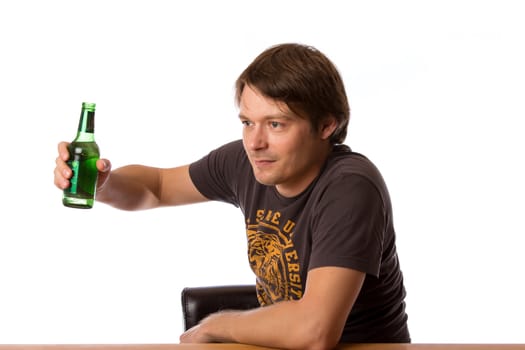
437	96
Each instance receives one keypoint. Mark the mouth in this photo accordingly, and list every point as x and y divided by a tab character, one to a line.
262	163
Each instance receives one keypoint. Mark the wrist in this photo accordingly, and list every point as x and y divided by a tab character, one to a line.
218	327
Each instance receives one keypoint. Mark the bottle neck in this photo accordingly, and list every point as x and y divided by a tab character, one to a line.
86	126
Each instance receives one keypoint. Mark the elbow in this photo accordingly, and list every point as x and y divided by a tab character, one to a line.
320	337
322	343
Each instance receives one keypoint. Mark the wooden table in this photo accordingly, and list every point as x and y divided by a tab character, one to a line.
251	347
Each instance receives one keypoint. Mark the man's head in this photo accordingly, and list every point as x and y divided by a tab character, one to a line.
293	107
305	80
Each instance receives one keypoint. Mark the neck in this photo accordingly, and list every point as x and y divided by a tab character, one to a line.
307	177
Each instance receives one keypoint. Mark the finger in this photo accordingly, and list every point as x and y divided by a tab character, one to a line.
63	153
62	172
188	336
60	181
63	168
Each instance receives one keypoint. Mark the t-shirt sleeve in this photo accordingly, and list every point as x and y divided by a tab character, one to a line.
349	225
216	174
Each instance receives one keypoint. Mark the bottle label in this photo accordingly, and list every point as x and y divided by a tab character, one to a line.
74	179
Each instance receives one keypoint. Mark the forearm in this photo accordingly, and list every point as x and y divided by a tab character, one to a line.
285	325
132	187
282	325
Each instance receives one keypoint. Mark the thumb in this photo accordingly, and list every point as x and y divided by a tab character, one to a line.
103	165
104	169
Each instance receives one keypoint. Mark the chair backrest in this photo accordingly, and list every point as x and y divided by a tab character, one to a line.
199	302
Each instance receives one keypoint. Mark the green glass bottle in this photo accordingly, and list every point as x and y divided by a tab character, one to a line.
83	156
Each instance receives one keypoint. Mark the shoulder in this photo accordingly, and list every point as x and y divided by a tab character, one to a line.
343	158
347	170
222	155
343	162
233	147
217	174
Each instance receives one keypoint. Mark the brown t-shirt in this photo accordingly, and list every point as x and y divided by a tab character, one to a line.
344	218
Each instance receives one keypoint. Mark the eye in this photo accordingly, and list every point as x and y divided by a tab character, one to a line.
246	122
275	124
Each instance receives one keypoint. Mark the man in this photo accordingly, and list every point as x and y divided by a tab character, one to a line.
319	223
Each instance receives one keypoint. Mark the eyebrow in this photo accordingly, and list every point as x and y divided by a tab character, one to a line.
273	116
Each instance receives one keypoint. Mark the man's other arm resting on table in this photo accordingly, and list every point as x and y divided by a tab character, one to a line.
315	321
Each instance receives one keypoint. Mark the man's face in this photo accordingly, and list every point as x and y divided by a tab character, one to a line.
282	147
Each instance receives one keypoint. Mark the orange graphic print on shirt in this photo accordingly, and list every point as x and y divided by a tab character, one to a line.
273	258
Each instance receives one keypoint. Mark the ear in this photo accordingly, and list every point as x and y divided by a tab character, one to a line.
328	127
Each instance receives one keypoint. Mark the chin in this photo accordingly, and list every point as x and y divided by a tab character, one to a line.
265	180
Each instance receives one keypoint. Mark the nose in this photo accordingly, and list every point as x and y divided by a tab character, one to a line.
255	138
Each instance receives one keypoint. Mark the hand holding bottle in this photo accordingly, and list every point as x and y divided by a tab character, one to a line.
63	172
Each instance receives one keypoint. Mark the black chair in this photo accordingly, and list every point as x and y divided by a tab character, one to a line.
199	302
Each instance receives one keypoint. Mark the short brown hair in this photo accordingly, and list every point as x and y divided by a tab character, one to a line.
304	79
